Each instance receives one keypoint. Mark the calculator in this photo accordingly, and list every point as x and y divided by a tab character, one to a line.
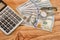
9	20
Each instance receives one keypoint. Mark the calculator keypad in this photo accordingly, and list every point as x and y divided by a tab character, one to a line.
9	20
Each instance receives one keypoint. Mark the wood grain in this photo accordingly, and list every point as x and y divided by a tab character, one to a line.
23	32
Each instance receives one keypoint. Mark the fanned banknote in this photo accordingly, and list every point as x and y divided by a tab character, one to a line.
35	16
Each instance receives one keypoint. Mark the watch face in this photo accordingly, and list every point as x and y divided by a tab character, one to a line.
2	5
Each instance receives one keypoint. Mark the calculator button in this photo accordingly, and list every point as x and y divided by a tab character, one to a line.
9	26
13	25
18	18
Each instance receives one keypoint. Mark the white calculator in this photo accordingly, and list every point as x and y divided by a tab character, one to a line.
9	20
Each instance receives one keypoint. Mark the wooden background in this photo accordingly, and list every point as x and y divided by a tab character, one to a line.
28	31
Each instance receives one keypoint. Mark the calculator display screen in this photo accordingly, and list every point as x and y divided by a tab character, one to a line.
2	5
